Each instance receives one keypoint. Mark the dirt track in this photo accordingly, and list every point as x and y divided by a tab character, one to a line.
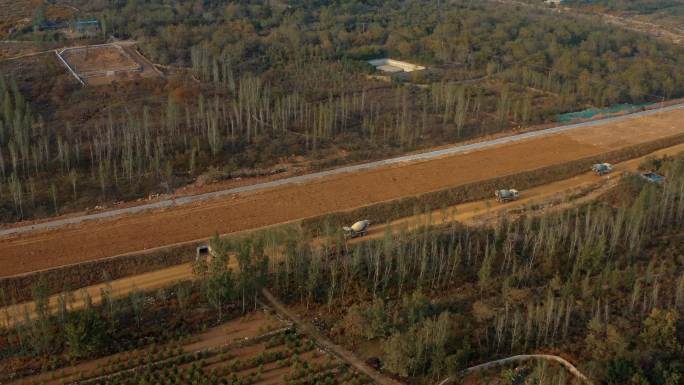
326	343
522	358
94	240
234	331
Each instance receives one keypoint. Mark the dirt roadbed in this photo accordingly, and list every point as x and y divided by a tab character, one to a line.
94	240
552	196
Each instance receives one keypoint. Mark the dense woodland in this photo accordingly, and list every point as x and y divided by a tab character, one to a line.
636	6
665	13
602	284
253	85
591	282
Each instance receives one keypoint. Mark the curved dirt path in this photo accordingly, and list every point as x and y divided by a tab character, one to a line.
453	150
521	358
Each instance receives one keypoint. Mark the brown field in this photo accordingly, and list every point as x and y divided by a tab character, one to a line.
257	346
99	65
98	58
343	192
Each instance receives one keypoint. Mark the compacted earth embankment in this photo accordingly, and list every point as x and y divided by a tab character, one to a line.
381	194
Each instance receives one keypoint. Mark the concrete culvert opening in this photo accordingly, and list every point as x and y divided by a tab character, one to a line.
204	252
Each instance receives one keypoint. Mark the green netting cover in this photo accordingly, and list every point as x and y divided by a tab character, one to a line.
592	112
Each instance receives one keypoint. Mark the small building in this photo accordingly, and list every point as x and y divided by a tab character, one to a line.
85	27
49	25
653	177
394	66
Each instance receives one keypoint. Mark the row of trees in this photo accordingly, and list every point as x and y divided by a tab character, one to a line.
221	284
92	329
171	144
588	266
592	63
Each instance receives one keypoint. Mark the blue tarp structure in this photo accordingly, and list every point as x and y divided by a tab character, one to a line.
653	177
83	25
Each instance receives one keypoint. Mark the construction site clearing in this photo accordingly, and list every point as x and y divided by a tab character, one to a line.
105	63
154	229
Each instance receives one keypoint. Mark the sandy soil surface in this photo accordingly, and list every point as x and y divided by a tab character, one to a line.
122	57
99	58
90	241
148	70
553	196
295	166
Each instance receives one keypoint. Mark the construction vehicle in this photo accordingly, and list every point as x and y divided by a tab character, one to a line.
601	169
653	177
358	229
506	195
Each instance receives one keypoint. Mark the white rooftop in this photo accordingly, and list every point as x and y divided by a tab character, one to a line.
394	66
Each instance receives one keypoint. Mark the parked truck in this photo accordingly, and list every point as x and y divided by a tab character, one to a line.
653	177
506	195
601	169
358	229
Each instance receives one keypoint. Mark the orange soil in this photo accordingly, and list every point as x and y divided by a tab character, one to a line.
148	70
551	197
95	240
98	59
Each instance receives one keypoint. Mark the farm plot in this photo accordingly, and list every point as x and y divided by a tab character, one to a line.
254	349
102	64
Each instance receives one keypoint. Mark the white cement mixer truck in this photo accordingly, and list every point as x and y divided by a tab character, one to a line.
506	195
358	229
601	169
